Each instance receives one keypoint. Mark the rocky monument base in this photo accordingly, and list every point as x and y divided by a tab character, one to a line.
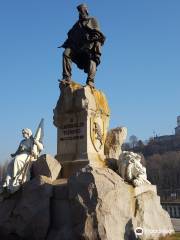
94	203
76	196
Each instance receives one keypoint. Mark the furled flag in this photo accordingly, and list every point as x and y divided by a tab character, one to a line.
40	131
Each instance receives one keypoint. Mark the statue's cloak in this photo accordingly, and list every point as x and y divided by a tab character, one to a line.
85	39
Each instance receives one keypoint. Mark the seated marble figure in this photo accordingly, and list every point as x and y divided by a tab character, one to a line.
18	170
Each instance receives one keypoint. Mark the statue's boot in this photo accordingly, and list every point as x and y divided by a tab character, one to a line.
90	83
64	82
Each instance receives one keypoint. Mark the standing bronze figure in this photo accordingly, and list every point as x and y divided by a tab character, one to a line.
83	46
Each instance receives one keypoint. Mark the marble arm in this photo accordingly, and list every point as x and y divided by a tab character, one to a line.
39	145
19	150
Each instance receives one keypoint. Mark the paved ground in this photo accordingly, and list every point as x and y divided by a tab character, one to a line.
176	224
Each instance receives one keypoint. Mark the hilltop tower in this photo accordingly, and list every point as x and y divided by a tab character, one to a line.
177	129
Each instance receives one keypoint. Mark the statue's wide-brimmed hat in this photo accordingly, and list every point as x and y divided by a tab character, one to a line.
82	6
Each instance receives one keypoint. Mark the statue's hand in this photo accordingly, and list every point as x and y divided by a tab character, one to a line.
35	141
34	153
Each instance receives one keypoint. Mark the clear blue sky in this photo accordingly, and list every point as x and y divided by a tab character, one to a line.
139	73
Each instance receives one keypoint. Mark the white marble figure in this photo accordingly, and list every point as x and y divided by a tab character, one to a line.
18	170
131	169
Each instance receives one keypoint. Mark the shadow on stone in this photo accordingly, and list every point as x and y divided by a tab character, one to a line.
112	163
83	200
129	232
26	214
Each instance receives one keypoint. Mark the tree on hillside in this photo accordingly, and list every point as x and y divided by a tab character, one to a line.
163	170
133	141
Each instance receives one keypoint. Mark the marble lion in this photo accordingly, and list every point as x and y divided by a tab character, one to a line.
131	169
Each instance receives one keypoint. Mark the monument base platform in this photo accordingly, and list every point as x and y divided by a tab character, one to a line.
71	167
81	116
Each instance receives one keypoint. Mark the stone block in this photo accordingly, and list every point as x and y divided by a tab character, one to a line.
114	140
26	214
60	189
47	166
82	119
71	167
144	188
151	217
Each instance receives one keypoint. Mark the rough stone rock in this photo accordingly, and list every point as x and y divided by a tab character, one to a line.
112	149
93	204
26	214
114	140
98	207
103	206
61	212
150	216
47	166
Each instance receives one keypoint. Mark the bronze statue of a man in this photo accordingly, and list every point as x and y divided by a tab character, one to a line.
83	46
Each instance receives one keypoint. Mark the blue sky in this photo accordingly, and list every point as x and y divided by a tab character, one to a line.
139	72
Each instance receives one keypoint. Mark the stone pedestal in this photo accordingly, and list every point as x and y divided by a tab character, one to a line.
82	119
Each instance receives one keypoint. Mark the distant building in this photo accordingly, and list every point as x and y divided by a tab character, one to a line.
177	129
164	138
169	138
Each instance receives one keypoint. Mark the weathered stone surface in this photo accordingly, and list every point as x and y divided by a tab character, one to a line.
104	207
144	188
70	167
60	212
82	119
94	203
47	166
26	214
114	140
101	204
112	148
151	217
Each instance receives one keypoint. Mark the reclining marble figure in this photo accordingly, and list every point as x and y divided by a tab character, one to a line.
18	170
131	169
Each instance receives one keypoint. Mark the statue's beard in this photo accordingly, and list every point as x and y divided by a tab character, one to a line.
83	16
